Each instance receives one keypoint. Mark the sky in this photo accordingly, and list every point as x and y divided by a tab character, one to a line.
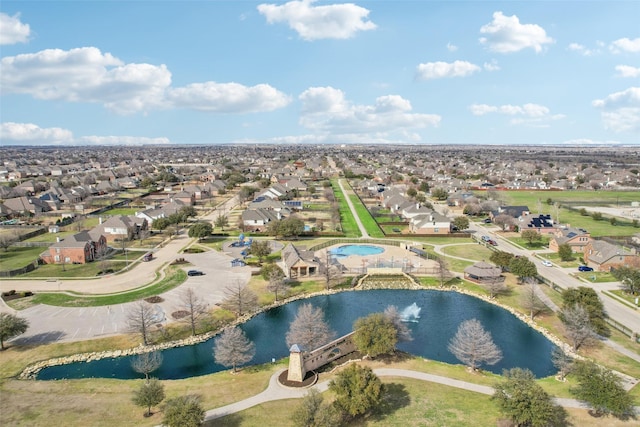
137	72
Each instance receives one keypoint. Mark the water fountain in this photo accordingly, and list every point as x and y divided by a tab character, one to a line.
411	313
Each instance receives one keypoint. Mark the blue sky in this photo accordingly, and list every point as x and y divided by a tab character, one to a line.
312	72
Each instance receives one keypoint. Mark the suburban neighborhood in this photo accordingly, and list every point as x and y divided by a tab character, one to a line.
243	229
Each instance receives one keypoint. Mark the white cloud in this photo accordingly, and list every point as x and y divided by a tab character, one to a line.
88	75
577	47
20	133
491	66
438	70
627	71
13	31
228	97
621	110
335	21
122	140
451	47
528	114
586	141
625	45
325	110
32	134
505	34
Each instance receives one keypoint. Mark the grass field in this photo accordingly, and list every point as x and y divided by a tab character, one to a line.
15	257
367	220
349	225
603	227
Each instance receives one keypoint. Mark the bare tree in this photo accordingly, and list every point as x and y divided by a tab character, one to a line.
195	307
495	286
239	299
529	298
7	239
233	348
403	332
504	221
143	235
309	330
332	272
79	222
443	270
277	285
562	361
102	256
145	363
140	319
577	325
472	345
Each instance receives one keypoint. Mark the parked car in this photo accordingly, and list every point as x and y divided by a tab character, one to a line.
487	221
195	273
585	268
485	238
492	242
547	263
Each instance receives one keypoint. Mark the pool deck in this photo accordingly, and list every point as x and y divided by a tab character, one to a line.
390	252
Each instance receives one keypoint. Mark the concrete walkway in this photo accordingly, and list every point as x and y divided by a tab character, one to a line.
276	391
363	230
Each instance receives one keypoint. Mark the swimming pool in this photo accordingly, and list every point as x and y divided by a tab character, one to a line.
362	250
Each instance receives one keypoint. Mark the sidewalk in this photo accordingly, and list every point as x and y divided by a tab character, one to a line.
276	391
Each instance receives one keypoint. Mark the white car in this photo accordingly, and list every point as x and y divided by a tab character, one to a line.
547	263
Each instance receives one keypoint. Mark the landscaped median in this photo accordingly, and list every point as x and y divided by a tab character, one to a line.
173	277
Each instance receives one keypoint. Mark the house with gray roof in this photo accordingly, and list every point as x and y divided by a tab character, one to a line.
604	256
576	238
79	248
299	262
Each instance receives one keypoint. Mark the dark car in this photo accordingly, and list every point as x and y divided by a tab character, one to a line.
492	242
585	268
487	221
195	273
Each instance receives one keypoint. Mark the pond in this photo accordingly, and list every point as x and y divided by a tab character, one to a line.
434	319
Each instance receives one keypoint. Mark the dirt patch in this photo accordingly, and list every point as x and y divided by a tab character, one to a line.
309	380
154	300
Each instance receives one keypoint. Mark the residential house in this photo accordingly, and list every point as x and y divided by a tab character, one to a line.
186	197
298	262
604	256
20	205
430	223
79	248
258	219
121	226
541	223
576	238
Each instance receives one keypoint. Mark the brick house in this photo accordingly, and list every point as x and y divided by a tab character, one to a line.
79	248
575	237
604	256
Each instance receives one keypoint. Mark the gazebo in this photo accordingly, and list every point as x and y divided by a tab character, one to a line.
483	272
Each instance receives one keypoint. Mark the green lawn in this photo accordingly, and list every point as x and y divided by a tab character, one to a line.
367	220
349	225
120	211
596	228
175	276
69	271
469	250
15	257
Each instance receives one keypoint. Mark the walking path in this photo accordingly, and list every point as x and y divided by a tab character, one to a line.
276	391
363	230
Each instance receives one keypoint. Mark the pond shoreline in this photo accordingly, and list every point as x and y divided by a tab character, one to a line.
31	371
